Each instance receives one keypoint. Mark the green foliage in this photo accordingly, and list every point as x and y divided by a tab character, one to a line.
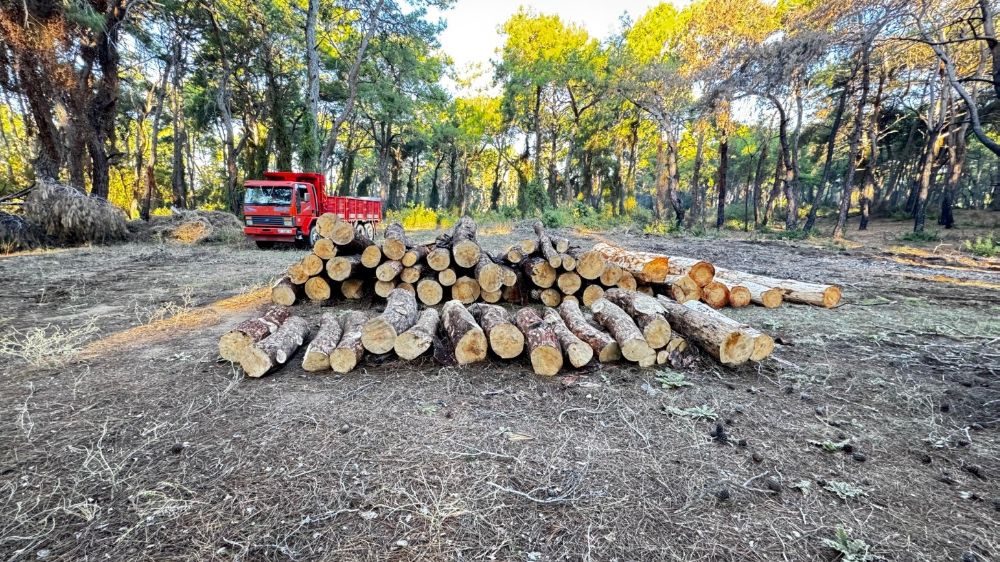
419	217
986	246
671	379
844	490
850	550
830	446
924	236
661	228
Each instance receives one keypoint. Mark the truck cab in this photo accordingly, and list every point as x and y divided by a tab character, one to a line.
282	207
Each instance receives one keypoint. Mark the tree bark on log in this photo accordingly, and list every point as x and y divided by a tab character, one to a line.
545	246
466	337
715	294
429	292
234	342
718	338
604	345
447	277
357	245
576	350
647	313
488	274
621	326
342	268
388	270
265	355
284	292
644	266
415	255
350	349
544	350
395	244
505	339
418	339
317	355
827	296
682	288
400	313
353	289
763	344
465	249
701	272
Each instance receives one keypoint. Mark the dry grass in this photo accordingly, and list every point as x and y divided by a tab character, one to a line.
48	347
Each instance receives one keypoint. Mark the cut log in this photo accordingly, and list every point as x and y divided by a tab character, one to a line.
491	297
545	245
447	277
418	339
528	246
233	343
768	297
276	349
297	273
312	265
508	276
317	355
439	259
592	293
371	257
576	350
827	296
342	268
285	292
408	287
383	288
763	344
589	264
400	313
464	248
412	274
513	255
682	288
604	346
541	273
644	266
342	233
466	290
611	274
466	337
350	349
662	357
488	274
415	255
388	270
627	281
647	313
715	294
353	289
568	262
505	339
548	297
325	248
324	224
318	289
701	272
739	296
429	292
569	282
646	290
544	350
720	339
621	326
561	244
516	293
395	244
357	245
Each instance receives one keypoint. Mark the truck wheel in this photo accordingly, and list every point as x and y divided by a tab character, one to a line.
313	236
265	245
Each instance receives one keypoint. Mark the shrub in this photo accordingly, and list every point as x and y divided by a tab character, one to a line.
419	217
925	236
986	246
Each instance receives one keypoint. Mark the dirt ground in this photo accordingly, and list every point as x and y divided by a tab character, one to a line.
123	437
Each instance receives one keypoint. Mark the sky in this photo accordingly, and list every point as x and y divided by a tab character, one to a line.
472	36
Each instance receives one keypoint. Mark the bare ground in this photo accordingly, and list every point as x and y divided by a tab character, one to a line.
146	447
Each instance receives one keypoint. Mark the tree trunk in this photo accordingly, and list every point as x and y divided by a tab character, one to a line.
309	150
418	339
646	267
625	331
235	342
838	117
150	171
852	152
721	184
717	337
576	350
601	343
762	344
505	339
696	214
275	349
178	182
350	349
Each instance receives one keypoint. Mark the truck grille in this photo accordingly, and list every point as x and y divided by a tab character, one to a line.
266	221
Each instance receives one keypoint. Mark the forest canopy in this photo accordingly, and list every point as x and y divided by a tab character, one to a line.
723	110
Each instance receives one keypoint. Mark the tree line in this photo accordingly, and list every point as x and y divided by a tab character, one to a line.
725	109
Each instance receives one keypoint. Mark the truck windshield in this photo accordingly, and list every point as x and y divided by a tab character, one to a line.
268	196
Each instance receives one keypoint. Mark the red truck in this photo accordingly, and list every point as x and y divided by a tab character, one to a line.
284	206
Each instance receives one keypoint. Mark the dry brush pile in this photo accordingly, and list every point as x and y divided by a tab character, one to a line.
643	307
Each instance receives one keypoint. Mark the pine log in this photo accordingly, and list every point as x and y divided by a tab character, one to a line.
325	248
439	259
408	287
763	344
569	282
827	296
545	245
701	272
317	355
576	350
621	326
544	350
342	233
297	273
353	289
739	296
491	297
312	264
342	268
395	243
488	274
682	288
627	281
604	346
589	264
568	262
647	313
768	297
561	244
388	270
513	255
729	344
447	277
592	293
234	342
464	248
715	294
611	274
379	334
508	276
415	255
466	290
412	274
645	266
429	292
516	293
418	339
350	349
318	289
383	288
662	356
276	349
357	245
466	337
528	246
646	290
505	339
541	273
548	297
371	257
324	224
285	292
